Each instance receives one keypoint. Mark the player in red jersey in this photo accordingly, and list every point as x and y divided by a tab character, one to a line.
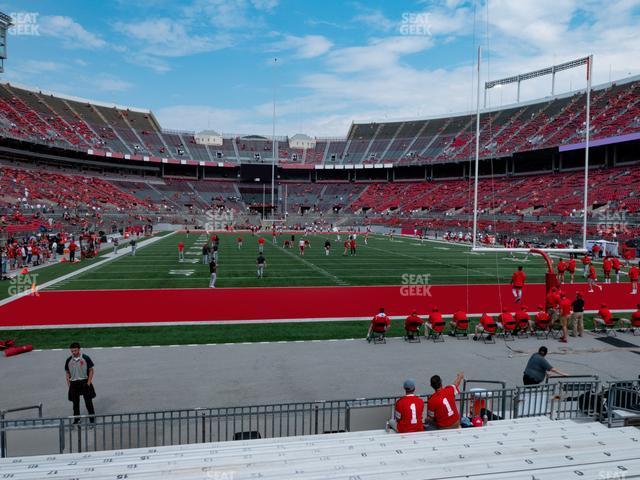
239	240
346	248
615	261
634	322
562	267
180	252
595	250
633	274
517	283
352	246
408	411
458	316
541	320
604	318
274	237
523	320
586	261
571	266
413	323
607	266
486	324
565	313
553	302
261	245
442	409
379	324
434	317
592	278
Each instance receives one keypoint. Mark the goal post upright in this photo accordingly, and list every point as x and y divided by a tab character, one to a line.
553	70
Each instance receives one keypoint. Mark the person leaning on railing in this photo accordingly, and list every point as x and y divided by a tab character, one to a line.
538	367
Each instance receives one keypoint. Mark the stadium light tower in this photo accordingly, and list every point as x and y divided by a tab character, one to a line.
588	61
5	23
273	144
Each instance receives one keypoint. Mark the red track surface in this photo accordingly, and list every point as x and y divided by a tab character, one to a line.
229	304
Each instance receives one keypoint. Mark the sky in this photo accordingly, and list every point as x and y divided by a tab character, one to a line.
219	64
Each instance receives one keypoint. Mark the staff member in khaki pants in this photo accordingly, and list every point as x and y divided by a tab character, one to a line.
577	316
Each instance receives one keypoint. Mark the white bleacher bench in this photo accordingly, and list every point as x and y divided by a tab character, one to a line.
522	448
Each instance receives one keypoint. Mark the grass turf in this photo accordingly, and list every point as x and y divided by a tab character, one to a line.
202	334
381	262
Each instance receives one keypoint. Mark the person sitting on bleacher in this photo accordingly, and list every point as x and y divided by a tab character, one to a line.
408	411
413	323
454	324
486	324
379	325
443	412
604	319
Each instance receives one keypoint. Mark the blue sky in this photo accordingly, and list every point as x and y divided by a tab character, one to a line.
210	63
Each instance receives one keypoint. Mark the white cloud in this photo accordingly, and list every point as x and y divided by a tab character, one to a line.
72	34
107	83
309	46
375	19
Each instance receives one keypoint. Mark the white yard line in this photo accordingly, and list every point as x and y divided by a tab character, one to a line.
108	258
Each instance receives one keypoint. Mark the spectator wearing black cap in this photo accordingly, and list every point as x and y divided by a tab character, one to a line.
408	411
538	367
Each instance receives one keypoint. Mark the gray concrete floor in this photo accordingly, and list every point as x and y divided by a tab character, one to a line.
139	379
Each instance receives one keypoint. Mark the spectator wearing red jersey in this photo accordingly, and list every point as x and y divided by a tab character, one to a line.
607	266
565	312
633	274
442	409
180	252
517	283
409	411
413	323
459	321
571	266
562	268
615	261
379	324
592	279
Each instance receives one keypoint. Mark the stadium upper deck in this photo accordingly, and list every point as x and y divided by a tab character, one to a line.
126	132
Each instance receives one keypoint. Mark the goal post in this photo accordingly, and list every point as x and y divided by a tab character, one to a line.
588	63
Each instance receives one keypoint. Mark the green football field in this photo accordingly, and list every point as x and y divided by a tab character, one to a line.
382	262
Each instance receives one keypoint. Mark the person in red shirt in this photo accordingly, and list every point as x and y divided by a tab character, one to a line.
352	246
261	245
379	325
442	409
615	261
346	248
239	240
586	261
274	237
634	322
486	324
72	251
562	267
592	278
522	319
633	274
565	313
595	250
459	321
542	320
607	266
605	318
553	302
517	283
413	323
571	266
409	411
506	322
435	317
180	252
